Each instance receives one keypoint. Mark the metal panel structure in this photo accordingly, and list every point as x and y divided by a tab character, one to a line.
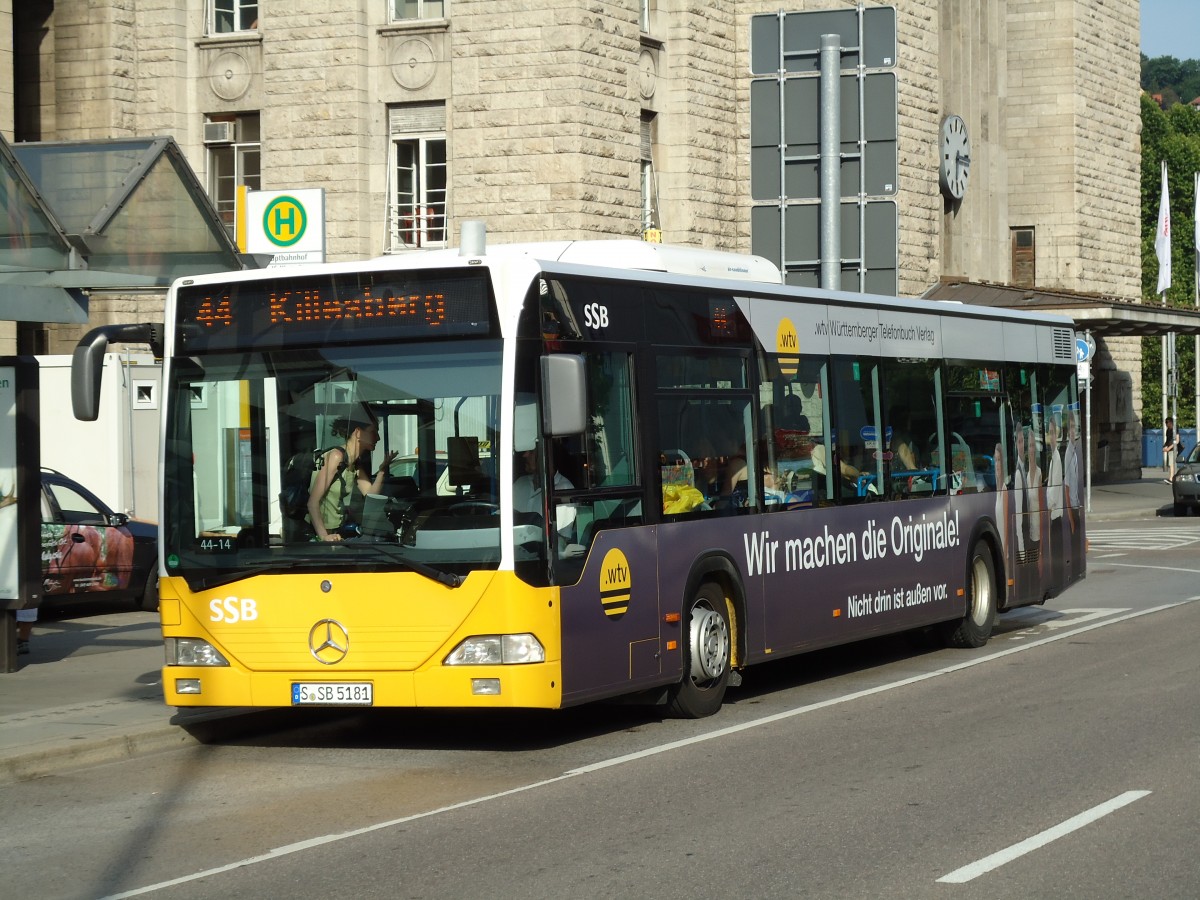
786	121
869	235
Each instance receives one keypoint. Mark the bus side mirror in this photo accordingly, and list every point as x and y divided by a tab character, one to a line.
87	362
564	388
87	368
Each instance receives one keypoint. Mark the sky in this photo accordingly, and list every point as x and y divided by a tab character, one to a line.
1171	28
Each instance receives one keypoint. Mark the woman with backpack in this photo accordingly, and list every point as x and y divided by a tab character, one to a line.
341	469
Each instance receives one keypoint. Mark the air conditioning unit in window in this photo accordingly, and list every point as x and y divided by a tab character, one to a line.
218	132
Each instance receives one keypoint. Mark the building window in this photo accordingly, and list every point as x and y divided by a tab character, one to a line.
644	12
234	160
650	215
406	10
229	16
417	177
1024	269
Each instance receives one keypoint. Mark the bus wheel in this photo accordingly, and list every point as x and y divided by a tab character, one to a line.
974	629
707	651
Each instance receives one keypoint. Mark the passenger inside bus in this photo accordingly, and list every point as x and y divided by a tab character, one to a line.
848	473
904	451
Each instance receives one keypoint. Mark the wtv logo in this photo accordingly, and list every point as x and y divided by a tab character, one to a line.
616	584
787	347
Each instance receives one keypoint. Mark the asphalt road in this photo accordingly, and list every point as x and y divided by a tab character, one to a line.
1059	761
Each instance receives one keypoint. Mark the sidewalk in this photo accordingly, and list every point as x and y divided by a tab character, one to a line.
89	692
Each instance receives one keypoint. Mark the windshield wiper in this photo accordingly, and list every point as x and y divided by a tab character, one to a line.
431	572
219	577
225	576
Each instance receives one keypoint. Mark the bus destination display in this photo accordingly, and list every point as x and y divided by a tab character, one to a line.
314	310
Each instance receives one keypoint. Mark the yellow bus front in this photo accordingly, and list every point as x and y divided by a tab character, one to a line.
394	639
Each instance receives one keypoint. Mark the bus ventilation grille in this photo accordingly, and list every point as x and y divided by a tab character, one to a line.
1064	345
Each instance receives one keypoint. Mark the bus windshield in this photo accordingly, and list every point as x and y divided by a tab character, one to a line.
248	432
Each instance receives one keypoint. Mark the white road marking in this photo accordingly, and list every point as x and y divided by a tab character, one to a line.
1153	538
323	840
1085	615
980	867
1157	568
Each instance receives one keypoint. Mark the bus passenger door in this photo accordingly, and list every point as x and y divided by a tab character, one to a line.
610	618
606	563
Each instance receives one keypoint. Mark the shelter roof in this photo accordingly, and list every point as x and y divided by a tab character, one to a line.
1102	315
79	215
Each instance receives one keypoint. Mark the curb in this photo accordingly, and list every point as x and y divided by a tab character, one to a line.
190	727
41	759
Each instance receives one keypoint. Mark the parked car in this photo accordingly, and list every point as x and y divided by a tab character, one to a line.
1185	489
87	549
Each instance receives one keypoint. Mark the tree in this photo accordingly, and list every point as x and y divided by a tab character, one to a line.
1176	81
1174	136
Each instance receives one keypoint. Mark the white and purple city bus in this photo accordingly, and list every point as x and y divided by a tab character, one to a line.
603	468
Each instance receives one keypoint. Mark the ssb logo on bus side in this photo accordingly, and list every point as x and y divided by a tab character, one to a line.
616	584
595	315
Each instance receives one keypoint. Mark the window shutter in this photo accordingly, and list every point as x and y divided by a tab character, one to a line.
417	118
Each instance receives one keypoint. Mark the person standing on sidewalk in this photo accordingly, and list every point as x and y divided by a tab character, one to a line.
1170	447
25	620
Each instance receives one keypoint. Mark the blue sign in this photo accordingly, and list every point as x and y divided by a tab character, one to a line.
1082	350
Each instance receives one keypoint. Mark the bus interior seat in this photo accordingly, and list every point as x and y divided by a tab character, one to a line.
959	473
791	414
677	468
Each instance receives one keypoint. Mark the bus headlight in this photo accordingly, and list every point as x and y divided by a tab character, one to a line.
496	650
192	652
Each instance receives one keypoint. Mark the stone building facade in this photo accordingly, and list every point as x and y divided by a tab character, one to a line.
548	110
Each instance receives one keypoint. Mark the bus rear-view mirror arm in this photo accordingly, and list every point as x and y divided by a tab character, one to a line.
564	387
87	362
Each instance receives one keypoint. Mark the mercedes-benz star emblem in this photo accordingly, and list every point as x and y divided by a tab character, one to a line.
329	642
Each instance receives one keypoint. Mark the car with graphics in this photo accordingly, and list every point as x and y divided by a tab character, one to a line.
88	550
1185	489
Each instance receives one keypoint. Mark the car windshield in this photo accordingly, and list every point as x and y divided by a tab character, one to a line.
247	432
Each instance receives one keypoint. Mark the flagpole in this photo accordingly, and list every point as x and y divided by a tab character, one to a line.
1162	249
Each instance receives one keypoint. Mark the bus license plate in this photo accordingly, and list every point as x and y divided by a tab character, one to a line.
332	694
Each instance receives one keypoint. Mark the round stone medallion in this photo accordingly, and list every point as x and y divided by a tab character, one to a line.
413	64
229	75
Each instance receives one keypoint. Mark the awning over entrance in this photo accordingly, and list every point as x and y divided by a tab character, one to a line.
1102	316
112	214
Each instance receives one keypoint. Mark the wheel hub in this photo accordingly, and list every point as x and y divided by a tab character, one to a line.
710	645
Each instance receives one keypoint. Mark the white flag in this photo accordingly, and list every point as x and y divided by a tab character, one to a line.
1162	237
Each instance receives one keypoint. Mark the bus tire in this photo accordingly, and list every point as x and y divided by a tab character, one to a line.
707	652
974	629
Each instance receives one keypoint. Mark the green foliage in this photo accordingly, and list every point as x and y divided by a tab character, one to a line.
1177	81
1173	136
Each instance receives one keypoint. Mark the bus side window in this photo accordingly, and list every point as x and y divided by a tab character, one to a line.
911	388
608	449
858	444
793	413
